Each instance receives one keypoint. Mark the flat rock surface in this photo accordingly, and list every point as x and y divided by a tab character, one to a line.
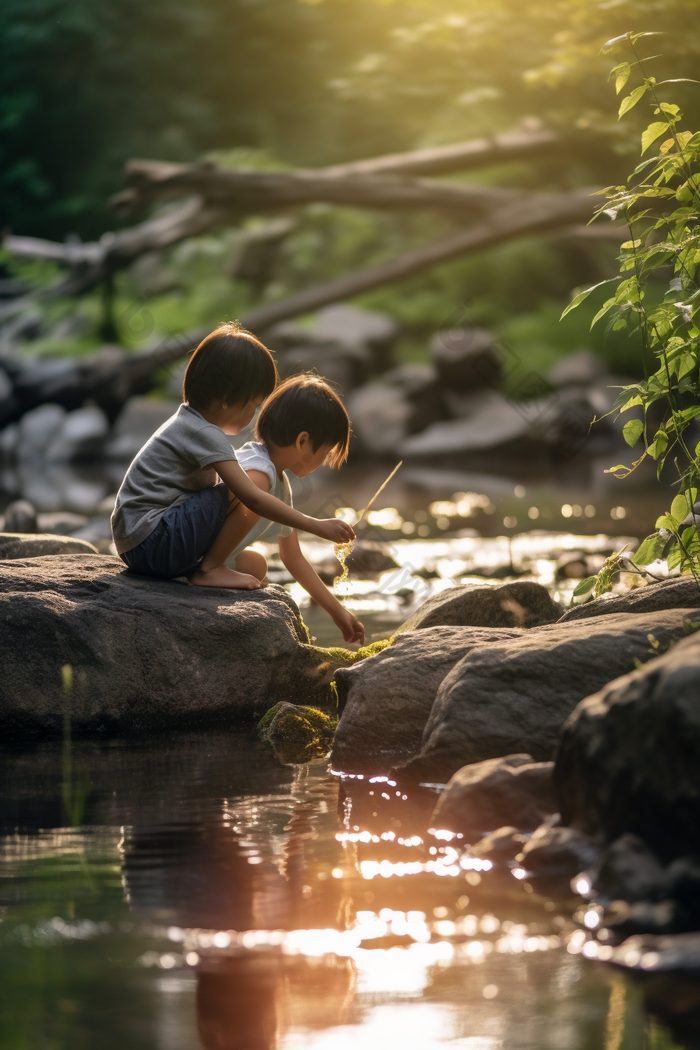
628	757
144	654
385	701
514	696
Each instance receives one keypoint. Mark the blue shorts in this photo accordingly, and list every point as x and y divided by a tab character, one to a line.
182	536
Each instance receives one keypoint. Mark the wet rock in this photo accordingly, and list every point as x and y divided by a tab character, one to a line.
649	953
582	368
38	545
384	702
625	919
297	733
557	853
513	790
20	516
466	359
500	846
679	593
514	696
137	421
366	560
367	557
630	871
145	654
519	604
37	429
627	760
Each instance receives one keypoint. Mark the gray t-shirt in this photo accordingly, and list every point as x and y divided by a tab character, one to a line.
254	456
175	462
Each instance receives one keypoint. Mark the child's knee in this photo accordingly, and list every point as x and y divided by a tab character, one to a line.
253	563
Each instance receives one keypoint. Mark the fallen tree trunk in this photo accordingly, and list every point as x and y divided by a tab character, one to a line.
110	378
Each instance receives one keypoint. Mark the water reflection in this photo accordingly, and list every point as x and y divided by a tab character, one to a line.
213	897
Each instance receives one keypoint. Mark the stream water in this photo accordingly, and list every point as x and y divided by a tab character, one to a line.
191	891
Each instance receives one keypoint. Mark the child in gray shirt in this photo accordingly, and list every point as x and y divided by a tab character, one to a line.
172	515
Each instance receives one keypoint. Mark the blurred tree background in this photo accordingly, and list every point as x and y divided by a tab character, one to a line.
284	83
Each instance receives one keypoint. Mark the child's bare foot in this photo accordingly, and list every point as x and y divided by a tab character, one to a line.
222	576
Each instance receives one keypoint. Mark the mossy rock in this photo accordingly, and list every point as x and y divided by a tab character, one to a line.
352	656
296	733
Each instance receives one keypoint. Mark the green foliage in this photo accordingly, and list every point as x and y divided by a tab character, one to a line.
660	205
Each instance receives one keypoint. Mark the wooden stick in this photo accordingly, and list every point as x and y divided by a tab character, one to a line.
379	491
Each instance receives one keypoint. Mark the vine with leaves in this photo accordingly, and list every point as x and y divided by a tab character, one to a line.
660	205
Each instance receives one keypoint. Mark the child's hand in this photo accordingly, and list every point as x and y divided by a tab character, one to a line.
352	629
336	530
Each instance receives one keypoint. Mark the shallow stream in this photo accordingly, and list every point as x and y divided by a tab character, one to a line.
192	892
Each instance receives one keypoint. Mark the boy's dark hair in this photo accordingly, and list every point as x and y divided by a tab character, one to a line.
306	403
229	365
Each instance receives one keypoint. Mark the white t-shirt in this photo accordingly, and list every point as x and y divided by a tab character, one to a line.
254	456
175	462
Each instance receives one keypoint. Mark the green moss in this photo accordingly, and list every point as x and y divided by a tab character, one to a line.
296	733
352	656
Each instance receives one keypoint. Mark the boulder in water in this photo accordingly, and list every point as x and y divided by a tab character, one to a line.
515	695
145	654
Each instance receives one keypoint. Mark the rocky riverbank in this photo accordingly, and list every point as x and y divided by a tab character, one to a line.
92	647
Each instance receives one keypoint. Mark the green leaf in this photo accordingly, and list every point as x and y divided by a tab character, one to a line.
631	100
658	445
681	505
580	296
584	586
652	133
649	549
634	37
632	431
622	77
675	557
666	522
610	44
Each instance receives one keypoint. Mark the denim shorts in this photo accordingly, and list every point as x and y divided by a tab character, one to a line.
182	536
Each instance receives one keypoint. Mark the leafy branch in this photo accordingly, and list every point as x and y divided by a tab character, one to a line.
660	205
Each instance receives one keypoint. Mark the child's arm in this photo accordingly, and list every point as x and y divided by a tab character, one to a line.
265	505
295	563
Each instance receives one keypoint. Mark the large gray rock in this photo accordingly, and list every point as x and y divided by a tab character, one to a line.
385	701
628	757
403	401
513	791
81	435
343	366
466	359
139	418
145	654
520	604
514	696
681	592
578	369
37	430
15	545
20	516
